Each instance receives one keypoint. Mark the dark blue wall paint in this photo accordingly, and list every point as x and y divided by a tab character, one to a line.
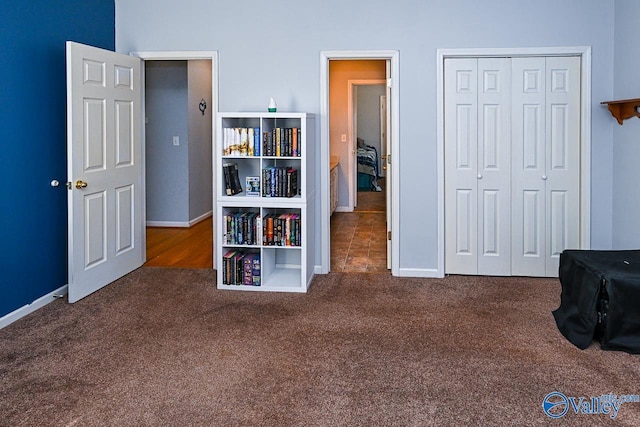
33	216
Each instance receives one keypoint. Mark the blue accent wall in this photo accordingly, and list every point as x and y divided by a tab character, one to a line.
33	215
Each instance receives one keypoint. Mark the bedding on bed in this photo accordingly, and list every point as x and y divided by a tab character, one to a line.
368	163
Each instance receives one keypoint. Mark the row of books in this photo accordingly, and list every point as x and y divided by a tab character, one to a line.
278	142
278	229
279	181
241	141
282	142
282	230
241	228
241	268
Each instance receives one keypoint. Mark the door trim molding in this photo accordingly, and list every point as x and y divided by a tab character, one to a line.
325	242
584	52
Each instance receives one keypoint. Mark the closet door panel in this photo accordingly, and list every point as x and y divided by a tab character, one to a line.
562	158
528	166
494	166
461	154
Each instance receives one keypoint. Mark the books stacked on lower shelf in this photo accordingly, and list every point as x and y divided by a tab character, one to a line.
232	184
279	182
241	228
241	268
281	230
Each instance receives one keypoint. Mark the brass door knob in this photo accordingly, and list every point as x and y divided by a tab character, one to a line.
80	184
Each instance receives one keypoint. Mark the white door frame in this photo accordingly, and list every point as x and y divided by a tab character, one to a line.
325	242
352	111
182	56
584	52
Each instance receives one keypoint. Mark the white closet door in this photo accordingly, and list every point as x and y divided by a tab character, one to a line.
461	169
529	169
546	163
494	166
477	166
562	158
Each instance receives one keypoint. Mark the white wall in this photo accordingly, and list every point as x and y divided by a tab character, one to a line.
275	52
626	137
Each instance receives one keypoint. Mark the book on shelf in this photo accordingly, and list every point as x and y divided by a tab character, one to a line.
231	179
251	273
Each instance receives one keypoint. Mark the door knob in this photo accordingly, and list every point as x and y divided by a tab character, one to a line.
479	176
80	184
544	177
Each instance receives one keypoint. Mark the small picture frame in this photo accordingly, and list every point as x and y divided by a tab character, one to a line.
253	186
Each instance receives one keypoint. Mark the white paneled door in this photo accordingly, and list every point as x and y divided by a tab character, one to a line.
512	153
546	162
478	166
104	157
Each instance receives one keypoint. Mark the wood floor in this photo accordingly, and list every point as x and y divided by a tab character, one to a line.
181	247
358	241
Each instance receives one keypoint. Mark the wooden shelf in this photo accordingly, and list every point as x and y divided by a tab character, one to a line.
623	109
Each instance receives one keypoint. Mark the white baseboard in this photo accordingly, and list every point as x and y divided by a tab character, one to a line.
420	272
431	273
317	269
184	224
344	209
30	308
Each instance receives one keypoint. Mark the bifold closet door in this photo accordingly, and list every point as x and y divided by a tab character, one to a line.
546	162
477	166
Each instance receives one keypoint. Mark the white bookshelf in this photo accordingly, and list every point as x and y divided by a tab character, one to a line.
286	264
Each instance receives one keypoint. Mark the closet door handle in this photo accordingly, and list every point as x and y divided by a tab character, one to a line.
544	177
479	176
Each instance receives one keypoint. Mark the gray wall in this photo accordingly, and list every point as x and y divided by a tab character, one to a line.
179	185
167	178
369	117
200	161
263	60
626	138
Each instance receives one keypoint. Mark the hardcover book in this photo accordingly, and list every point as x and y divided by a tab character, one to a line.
231	179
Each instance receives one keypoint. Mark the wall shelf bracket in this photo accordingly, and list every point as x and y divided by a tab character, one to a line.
623	109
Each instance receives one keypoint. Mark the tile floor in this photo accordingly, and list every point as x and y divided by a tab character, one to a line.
358	242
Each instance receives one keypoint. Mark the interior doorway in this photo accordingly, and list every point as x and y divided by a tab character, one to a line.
367	113
339	145
180	105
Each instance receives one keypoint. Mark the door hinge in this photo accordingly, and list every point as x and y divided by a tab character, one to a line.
389	83
388	235
389	159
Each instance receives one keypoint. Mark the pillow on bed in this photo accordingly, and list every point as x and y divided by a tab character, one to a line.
360	142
